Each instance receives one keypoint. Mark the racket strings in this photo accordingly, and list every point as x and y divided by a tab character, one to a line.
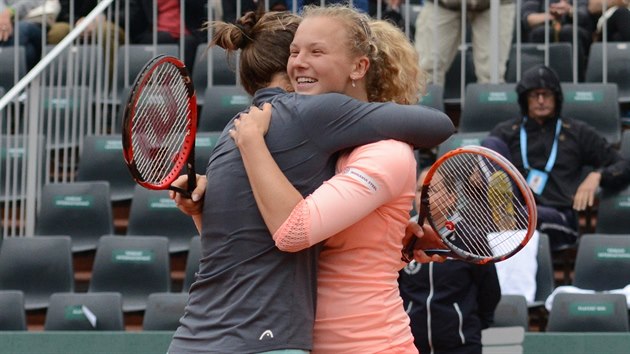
475	198
160	123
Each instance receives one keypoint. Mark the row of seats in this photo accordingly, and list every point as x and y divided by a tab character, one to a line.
101	159
77	65
571	312
83	210
99	311
560	58
486	105
134	266
596	299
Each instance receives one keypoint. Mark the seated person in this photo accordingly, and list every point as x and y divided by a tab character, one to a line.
551	151
616	17
168	24
560	18
30	33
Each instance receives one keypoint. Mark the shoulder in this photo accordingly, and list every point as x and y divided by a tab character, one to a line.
579	127
507	126
383	157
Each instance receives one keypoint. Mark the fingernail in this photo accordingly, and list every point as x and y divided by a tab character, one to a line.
195	197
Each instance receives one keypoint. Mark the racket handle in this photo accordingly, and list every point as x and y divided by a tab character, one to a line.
183	192
438	251
407	251
192	178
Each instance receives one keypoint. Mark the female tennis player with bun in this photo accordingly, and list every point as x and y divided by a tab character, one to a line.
249	296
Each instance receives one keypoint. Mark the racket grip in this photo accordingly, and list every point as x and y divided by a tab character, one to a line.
192	178
183	192
438	251
407	251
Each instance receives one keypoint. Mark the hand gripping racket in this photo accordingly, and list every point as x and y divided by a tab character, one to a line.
479	204
160	125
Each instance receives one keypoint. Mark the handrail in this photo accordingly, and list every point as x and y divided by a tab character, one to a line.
46	60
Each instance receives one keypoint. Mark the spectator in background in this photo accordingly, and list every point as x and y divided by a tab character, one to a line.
448	303
560	19
168	24
391	10
616	17
361	5
229	7
112	32
30	33
438	36
82	8
552	151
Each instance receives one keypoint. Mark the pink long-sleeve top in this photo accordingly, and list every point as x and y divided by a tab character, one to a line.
366	207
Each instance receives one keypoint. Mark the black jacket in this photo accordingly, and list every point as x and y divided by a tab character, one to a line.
449	304
580	146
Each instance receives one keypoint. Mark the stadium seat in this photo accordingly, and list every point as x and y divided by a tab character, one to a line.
64	108
81	210
502	340
37	266
85	312
134	266
458	140
101	159
595	104
11	71
602	262
545	282
204	144
613	212
164	311
12	315
222	69
221	104
14	153
192	262
153	213
486	105
617	66
532	54
624	145
434	97
597	312
511	311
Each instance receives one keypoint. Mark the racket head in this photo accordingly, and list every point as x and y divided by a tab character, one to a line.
160	123
479	204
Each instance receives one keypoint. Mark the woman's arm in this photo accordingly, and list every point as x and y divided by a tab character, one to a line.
275	195
372	177
346	122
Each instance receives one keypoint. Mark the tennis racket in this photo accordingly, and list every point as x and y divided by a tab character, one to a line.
479	204
160	125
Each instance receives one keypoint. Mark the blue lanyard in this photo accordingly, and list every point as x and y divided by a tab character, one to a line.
554	148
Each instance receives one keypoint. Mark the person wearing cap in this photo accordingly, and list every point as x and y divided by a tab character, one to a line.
552	151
